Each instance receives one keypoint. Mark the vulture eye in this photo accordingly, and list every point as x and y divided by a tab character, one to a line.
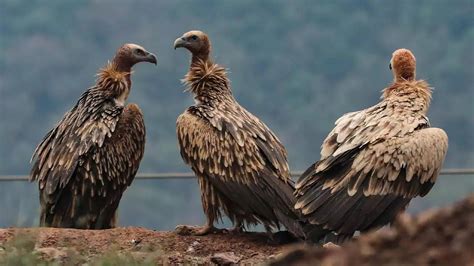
140	52
194	37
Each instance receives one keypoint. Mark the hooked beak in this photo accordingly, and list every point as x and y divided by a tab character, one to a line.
151	58
390	66
180	42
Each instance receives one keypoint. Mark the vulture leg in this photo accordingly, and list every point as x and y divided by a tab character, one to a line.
271	238
208	228
210	203
280	237
237	229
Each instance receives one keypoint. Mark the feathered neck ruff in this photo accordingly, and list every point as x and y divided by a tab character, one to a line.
207	81
116	82
411	90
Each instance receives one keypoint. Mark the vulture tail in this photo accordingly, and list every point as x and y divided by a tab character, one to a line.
302	230
73	210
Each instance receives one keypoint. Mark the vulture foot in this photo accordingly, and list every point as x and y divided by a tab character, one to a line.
236	230
208	230
186	230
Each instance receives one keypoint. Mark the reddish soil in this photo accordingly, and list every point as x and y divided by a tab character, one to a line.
437	237
142	244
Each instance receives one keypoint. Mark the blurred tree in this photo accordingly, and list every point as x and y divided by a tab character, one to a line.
298	65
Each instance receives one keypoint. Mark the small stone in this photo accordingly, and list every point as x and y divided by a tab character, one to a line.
331	245
226	258
191	248
136	241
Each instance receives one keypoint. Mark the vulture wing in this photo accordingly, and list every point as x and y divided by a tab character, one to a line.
372	163
240	157
85	163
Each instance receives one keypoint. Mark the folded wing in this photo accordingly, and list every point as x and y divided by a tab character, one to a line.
242	158
85	163
372	164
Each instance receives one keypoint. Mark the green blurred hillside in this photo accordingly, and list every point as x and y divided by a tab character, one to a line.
298	65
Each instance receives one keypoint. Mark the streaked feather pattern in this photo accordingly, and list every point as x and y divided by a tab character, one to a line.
373	162
88	159
240	164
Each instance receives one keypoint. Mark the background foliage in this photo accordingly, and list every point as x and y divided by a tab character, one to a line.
298	65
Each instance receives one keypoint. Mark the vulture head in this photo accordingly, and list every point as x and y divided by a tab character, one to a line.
403	65
130	54
196	42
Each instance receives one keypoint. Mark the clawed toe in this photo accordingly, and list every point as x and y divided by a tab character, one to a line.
235	230
186	230
209	230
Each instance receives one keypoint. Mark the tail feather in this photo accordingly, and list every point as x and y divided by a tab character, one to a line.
346	214
306	177
78	211
388	215
332	208
315	199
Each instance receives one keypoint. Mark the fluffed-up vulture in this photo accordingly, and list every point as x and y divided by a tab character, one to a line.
240	164
85	163
376	160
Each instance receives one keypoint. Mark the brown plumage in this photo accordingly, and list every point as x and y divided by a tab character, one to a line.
88	159
241	165
375	160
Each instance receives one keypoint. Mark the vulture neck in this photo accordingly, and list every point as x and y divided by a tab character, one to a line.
201	55
123	65
198	59
417	93
208	81
115	83
404	77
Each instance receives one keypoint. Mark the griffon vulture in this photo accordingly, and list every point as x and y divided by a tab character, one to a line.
85	163
376	160
240	164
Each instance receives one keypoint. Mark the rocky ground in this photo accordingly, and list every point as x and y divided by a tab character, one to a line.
438	237
132	245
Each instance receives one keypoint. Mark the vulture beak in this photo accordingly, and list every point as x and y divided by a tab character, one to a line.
180	42
150	57
390	66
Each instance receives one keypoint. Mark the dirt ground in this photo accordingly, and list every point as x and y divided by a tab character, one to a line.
437	237
73	246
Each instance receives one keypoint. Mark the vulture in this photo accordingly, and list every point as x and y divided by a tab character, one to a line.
375	160
240	164
85	163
